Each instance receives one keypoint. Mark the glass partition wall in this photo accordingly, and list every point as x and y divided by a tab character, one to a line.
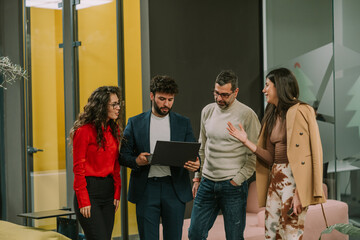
318	42
347	104
95	27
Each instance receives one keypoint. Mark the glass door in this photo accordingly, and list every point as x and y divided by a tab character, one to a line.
94	32
46	180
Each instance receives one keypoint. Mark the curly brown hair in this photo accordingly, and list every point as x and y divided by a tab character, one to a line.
96	113
163	84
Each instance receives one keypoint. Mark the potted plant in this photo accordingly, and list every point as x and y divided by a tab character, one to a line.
345	228
10	72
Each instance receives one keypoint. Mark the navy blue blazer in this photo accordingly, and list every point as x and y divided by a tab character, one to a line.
137	140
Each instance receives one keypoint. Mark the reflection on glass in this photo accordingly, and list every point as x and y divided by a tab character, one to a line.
308	53
91	3
347	96
48	4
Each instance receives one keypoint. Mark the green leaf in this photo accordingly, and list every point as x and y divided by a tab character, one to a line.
345	228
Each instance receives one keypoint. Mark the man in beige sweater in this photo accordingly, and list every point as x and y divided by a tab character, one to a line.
221	184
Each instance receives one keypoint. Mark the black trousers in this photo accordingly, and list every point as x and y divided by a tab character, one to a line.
101	222
160	201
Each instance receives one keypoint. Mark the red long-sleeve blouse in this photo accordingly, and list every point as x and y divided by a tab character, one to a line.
90	160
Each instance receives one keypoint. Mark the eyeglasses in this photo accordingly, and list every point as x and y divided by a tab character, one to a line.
223	95
114	105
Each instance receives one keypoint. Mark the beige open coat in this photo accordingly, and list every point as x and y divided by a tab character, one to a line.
304	152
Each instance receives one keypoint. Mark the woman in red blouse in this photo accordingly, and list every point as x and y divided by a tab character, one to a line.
96	138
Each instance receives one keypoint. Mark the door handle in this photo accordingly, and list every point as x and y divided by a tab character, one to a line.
32	150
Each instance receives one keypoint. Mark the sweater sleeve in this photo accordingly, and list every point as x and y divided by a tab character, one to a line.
252	127
80	144
202	140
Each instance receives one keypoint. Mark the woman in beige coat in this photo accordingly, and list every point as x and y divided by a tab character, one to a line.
289	157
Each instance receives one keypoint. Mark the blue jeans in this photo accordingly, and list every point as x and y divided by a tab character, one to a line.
213	197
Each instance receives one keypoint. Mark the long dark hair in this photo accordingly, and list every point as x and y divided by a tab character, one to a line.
96	113
287	90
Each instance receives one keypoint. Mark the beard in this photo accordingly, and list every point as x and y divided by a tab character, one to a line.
223	104
159	111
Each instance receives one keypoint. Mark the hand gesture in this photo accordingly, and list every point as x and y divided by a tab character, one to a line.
240	134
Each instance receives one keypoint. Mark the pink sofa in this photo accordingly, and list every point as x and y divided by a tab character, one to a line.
336	212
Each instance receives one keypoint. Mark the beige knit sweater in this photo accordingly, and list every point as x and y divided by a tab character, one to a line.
223	157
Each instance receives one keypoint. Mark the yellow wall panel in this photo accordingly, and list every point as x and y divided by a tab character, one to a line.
132	52
48	181
47	89
133	86
62	143
98	50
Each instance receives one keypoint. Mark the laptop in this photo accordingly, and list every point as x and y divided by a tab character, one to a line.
172	153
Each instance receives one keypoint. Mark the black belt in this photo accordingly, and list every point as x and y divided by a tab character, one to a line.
99	178
160	179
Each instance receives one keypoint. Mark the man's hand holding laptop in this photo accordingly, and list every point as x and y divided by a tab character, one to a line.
192	165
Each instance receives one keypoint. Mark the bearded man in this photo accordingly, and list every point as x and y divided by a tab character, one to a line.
227	163
158	191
